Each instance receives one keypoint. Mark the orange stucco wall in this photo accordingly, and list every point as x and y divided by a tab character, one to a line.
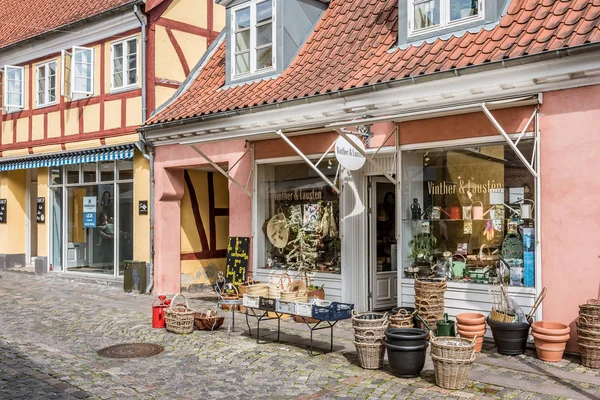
570	146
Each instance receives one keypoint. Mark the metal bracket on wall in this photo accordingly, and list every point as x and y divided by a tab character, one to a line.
310	164
368	157
513	144
226	173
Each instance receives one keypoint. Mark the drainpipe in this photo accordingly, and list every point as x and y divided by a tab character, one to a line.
143	22
151	205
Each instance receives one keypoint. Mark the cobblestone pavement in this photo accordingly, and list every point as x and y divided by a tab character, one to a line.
52	327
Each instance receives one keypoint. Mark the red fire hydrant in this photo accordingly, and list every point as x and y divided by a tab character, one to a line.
158	311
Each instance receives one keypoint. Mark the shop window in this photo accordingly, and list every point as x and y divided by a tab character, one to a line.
469	214
107	171
72	172
125	169
124	64
252	38
299	214
56	176
89	172
431	15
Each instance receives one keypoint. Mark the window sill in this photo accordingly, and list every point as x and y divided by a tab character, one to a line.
124	89
40	106
438	31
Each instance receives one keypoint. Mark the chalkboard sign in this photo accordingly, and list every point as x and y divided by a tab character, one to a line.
2	211
40	214
238	250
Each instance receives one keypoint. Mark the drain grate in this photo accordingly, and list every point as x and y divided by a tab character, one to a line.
131	350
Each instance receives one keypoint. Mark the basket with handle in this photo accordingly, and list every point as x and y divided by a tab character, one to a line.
279	283
207	320
454	348
296	288
179	317
452	373
590	309
370	355
368	319
233	295
590	355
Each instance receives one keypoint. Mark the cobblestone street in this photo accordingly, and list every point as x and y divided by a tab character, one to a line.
52	328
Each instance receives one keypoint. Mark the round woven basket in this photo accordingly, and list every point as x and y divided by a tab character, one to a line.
591	308
370	355
369	339
371	331
368	319
453	348
452	374
207	320
590	355
179	318
587	319
258	289
582	338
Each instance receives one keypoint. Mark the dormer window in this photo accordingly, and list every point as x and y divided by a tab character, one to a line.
430	15
253	32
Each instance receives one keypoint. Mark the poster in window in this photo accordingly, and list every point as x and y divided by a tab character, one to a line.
105	204
311	214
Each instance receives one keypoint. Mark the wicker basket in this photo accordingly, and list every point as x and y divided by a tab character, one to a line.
583	338
402	320
368	319
370	355
590	320
179	318
258	289
590	355
279	283
591	308
369	338
452	374
452	348
207	320
371	331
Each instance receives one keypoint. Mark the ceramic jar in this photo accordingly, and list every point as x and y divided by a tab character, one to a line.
469	325
550	339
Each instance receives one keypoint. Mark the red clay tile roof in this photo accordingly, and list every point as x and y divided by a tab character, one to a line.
349	45
24	19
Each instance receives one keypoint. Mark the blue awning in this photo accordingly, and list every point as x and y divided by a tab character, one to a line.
70	158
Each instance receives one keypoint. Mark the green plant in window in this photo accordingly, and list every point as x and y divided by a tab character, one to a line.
303	254
422	247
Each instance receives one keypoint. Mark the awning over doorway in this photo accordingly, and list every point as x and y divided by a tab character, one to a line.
69	158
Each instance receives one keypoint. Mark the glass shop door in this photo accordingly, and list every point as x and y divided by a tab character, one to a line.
383	254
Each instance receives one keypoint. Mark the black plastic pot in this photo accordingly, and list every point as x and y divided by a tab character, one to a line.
410	310
407	361
406	336
510	338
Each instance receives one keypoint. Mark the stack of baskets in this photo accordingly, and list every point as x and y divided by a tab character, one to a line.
179	317
429	299
452	359
402	319
588	332
369	338
279	283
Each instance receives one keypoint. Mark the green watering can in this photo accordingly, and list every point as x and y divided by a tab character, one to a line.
445	327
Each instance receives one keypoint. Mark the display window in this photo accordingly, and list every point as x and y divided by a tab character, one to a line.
299	216
469	214
91	217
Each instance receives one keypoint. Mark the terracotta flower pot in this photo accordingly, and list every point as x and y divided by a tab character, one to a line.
550	328
470	319
470	328
470	334
550	348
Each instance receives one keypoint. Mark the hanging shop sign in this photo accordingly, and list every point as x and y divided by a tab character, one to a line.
89	212
40	214
347	155
3	211
238	250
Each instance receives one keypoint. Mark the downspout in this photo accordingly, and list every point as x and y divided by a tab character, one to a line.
144	23
149	155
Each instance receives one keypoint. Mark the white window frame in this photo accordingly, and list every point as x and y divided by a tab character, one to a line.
71	93
445	21
125	86
47	101
253	70
6	105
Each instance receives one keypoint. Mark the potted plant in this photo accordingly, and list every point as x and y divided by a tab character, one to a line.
422	247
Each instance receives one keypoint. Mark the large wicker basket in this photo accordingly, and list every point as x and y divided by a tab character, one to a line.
179	317
452	374
368	319
370	355
454	348
590	355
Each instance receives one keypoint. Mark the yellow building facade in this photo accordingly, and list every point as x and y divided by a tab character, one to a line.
75	180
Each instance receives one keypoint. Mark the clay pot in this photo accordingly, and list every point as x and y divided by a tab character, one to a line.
550	340
550	328
470	319
469	334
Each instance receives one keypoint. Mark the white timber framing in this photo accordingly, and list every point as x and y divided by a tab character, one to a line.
216	166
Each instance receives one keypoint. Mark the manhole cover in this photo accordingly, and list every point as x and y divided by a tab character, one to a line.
131	350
